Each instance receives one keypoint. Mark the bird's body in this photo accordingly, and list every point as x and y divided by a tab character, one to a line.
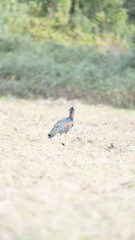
64	125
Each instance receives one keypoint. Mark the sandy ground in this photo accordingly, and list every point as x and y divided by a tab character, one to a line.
84	190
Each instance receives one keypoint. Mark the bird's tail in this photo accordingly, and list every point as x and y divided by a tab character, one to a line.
52	133
49	135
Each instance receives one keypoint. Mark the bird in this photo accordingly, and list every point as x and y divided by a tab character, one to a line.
64	125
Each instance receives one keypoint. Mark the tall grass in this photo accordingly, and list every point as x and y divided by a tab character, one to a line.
32	69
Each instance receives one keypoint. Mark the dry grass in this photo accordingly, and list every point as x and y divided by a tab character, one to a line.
84	190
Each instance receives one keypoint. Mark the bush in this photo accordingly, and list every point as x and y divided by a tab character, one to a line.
34	69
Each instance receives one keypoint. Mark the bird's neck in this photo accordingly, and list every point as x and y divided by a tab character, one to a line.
71	115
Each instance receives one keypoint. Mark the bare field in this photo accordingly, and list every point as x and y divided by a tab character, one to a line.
84	190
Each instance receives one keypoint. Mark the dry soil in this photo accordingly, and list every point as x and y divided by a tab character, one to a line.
82	190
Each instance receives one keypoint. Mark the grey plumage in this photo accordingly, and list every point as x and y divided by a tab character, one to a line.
64	125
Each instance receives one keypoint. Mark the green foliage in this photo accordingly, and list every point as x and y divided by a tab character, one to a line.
49	19
34	69
47	48
130	6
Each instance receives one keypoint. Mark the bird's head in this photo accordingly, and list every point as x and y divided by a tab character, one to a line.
71	112
71	109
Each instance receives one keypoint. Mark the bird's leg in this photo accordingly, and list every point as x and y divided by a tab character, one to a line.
60	138
65	137
61	141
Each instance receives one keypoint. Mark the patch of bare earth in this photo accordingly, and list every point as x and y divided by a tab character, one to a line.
84	190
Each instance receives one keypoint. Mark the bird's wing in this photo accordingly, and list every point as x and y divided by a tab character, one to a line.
64	123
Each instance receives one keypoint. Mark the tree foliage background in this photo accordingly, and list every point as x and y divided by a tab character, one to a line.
74	48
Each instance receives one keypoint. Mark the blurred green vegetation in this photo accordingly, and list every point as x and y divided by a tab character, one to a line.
70	48
85	22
